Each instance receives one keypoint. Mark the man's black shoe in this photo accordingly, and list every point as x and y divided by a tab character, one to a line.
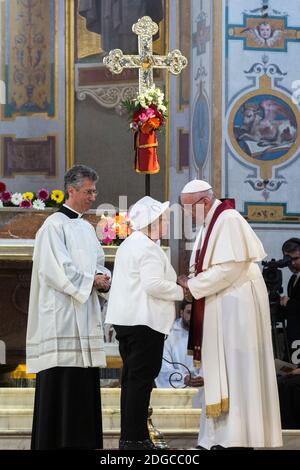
138	445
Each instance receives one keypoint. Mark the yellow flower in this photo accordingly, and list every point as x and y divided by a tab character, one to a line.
28	196
57	196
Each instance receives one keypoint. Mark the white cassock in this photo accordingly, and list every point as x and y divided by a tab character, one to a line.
175	351
64	317
237	353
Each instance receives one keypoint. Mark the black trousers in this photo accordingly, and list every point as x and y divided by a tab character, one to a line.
67	409
289	399
141	350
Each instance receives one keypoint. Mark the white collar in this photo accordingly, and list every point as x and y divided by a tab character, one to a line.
211	212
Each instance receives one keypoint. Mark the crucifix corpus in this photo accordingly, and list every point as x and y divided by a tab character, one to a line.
148	108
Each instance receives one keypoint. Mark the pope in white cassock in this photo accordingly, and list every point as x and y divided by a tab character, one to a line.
64	336
230	326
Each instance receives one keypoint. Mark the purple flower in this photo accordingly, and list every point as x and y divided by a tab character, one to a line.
42	194
26	204
6	196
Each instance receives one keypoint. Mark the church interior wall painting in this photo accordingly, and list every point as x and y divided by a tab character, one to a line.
32	122
261	138
29	57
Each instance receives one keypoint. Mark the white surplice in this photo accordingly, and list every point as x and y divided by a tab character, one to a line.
64	317
175	352
237	353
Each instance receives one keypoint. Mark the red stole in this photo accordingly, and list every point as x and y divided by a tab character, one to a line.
198	307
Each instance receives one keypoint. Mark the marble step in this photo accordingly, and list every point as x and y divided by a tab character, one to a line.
23	398
12	419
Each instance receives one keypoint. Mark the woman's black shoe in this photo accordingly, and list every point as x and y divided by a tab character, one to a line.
121	444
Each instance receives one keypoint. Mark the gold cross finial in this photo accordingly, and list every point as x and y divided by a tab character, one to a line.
145	61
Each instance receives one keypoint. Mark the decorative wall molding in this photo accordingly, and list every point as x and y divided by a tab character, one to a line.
109	96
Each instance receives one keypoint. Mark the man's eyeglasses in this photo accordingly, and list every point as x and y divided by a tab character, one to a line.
196	202
90	192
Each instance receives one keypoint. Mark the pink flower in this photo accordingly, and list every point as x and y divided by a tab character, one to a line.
42	194
106	232
26	204
147	114
6	196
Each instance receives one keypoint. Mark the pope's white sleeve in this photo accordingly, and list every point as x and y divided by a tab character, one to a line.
56	266
153	278
216	278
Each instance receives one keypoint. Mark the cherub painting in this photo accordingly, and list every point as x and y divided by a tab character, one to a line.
263	34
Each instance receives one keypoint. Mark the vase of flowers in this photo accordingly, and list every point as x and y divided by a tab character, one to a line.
148	113
112	230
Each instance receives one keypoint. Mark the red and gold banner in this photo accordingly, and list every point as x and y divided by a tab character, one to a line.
146	158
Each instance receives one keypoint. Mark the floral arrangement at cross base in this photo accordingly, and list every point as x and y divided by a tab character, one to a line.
148	113
113	230
31	200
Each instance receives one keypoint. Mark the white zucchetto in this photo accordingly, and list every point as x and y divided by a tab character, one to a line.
196	186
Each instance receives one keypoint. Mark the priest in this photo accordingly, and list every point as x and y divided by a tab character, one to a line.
230	326
65	346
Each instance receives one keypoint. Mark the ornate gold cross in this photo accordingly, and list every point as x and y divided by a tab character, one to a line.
145	28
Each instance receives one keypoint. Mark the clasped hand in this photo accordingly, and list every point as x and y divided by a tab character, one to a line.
102	282
182	280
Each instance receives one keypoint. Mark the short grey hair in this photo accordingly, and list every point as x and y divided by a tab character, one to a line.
76	175
207	193
210	194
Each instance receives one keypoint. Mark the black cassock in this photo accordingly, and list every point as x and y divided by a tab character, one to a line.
289	398
67	406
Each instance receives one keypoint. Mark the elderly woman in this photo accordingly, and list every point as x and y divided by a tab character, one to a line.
142	310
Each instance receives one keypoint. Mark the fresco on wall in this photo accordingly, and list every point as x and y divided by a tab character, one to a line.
268	33
262	142
29	56
265	127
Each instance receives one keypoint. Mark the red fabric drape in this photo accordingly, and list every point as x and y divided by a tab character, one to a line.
146	158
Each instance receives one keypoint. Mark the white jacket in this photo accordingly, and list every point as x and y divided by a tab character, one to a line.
144	286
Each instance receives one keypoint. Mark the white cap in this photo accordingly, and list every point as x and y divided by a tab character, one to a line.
145	211
196	186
